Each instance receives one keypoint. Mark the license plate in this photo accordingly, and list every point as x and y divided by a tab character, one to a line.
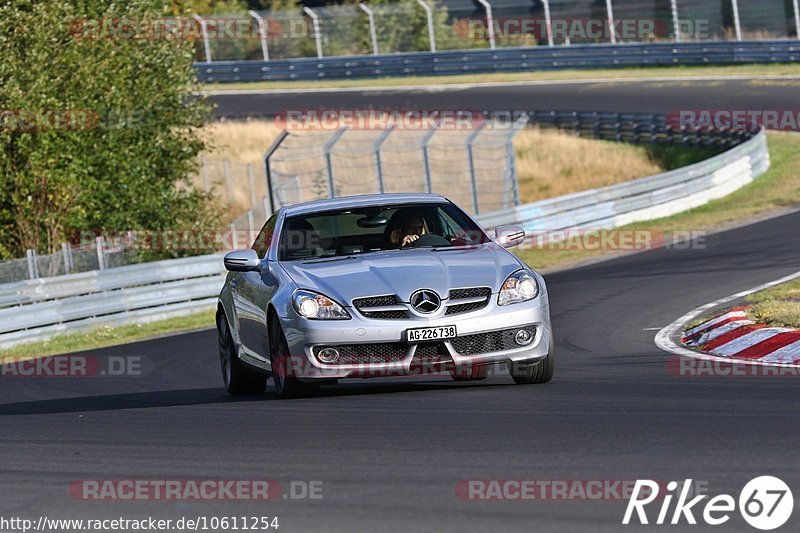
431	334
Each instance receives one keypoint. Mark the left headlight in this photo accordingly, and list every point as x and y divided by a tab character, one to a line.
310	304
520	286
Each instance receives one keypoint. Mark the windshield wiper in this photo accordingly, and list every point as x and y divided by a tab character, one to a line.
329	259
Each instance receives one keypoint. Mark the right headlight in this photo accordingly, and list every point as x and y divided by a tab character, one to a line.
314	305
520	286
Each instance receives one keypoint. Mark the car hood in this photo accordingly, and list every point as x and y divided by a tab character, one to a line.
402	272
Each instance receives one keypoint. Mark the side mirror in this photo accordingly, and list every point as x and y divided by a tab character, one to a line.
241	261
509	236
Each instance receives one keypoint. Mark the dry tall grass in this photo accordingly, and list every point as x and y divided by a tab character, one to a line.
552	163
549	163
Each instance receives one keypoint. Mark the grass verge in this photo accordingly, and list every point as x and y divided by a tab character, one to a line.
788	69
776	306
102	337
778	188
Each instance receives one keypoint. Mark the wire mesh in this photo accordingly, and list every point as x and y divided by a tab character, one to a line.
365	161
767	19
344	30
289	33
643	20
579	21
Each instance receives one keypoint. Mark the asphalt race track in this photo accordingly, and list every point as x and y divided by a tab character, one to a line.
625	96
390	453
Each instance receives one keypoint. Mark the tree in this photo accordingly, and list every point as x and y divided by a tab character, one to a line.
98	130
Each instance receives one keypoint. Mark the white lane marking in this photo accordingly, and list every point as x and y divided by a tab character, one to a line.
714	321
444	87
664	338
745	341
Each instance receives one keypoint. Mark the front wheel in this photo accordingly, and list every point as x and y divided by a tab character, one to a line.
539	372
286	384
238	379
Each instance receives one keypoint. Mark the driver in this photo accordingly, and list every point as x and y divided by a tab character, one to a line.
410	227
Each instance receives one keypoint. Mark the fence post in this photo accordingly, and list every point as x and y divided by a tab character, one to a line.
262	32
377	149
489	21
372	34
267	172
204	30
204	172
425	160
548	22
226	171
511	161
251	182
317	35
251	226
234	237
66	252
33	268
429	16
612	31
676	21
736	23
100	245
471	161
796	18
326	151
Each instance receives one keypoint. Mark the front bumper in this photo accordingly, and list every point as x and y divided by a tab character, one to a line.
304	335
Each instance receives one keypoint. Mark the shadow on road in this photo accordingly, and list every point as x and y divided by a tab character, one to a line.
207	396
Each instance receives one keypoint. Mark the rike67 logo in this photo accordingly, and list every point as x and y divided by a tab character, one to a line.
765	503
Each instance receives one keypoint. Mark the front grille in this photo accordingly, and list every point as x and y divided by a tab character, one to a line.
430	350
492	341
361	354
473	292
453	307
363	305
375	301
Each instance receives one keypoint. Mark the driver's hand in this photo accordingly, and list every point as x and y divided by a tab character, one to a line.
408	239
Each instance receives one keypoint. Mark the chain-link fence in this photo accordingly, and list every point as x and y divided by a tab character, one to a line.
472	165
430	25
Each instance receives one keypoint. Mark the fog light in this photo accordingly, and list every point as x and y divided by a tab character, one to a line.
523	337
328	355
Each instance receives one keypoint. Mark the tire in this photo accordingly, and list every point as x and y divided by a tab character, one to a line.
238	378
470	373
540	372
286	385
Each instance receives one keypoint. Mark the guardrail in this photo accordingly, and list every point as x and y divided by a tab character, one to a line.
36	309
645	198
502	60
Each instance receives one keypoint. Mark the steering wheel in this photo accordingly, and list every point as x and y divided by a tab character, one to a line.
428	240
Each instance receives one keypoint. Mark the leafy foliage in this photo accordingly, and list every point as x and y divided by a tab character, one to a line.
114	132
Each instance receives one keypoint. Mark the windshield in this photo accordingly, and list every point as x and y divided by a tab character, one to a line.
377	228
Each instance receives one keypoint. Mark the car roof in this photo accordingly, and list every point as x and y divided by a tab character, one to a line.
364	200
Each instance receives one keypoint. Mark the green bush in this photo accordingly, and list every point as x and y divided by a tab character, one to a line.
115	134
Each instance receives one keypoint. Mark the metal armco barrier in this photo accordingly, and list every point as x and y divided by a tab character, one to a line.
502	60
645	198
36	309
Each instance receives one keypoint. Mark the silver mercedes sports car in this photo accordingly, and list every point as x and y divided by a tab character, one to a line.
379	285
